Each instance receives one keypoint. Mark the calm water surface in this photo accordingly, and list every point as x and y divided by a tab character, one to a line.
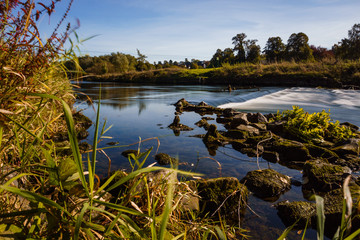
145	112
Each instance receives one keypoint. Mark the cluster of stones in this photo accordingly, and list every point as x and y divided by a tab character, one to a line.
325	164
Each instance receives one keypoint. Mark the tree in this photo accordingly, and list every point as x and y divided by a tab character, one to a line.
298	48
321	53
141	61
274	49
120	62
228	56
349	48
217	58
252	51
239	48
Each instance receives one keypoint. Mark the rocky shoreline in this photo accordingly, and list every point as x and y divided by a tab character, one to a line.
325	164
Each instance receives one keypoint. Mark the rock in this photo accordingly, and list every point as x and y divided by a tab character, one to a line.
165	159
177	127
226	195
353	127
266	183
203	123
203	104
127	153
242	132
276	127
251	130
350	146
240	118
229	112
256	118
320	176
271	156
260	126
289	150
300	211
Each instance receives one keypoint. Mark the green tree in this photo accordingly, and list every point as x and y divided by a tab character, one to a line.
298	48
239	47
120	62
274	49
228	56
252	51
349	48
217	58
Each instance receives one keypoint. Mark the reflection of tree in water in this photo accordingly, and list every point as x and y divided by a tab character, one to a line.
142	106
114	94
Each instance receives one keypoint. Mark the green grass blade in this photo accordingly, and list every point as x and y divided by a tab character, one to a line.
353	235
15	178
220	233
168	205
145	170
79	221
320	219
106	183
120	208
287	231
33	197
96	136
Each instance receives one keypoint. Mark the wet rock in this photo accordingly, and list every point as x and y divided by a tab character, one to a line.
276	127
321	152
177	127
226	195
203	123
260	126
242	132
127	153
266	183
351	161
289	150
181	104
320	176
203	104
256	118
300	211
84	146
165	159
271	156
353	127
229	112
350	146
213	134
238	119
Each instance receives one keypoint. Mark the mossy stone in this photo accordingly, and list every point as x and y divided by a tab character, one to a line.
165	159
322	176
225	194
266	183
300	211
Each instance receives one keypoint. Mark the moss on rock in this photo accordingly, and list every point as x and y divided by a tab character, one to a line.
267	183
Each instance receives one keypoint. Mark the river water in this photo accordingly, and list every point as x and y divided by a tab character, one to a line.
144	112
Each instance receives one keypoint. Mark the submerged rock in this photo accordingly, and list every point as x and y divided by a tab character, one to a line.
267	183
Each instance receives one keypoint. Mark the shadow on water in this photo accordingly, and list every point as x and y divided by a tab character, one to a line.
147	111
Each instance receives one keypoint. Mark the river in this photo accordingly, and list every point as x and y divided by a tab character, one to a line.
145	112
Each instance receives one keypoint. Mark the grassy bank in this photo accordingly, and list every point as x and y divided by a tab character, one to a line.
312	74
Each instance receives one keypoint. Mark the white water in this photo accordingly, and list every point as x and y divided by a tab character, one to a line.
344	105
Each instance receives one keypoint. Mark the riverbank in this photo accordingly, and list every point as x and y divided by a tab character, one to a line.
286	74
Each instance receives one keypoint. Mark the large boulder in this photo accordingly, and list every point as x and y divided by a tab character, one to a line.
267	183
321	176
224	195
238	119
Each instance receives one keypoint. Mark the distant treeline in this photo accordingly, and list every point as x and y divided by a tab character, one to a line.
245	50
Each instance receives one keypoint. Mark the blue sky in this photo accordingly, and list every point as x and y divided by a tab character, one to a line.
172	29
